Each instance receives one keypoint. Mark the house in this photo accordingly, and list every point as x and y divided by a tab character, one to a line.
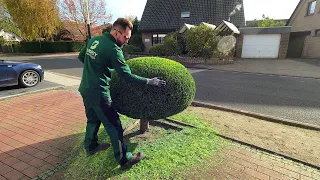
161	17
9	36
305	32
78	32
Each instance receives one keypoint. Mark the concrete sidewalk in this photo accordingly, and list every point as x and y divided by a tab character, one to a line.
38	131
309	68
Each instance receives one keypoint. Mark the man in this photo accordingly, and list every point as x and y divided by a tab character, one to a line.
101	55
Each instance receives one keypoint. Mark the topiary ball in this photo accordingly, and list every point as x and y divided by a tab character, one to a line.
151	103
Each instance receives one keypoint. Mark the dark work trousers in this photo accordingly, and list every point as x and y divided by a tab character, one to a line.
109	117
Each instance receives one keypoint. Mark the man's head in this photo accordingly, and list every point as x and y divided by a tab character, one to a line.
121	31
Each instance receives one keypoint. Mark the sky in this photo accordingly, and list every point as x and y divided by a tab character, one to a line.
253	9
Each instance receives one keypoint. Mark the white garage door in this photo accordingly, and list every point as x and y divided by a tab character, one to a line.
261	46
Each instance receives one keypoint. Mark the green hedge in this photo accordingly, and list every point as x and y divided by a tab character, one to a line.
45	47
152	103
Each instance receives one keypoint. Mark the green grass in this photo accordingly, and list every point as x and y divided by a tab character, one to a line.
168	153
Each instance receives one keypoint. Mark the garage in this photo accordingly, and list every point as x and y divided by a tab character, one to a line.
261	46
263	42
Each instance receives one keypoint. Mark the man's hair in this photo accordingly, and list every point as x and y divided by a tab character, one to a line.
122	23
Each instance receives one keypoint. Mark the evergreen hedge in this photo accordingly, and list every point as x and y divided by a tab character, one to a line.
152	103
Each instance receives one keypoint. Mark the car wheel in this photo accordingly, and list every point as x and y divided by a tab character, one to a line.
29	78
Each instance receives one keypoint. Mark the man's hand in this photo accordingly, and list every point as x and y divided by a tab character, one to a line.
156	82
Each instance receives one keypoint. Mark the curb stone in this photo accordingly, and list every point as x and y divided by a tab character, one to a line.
257	115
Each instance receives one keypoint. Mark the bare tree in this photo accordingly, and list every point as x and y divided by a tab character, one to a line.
74	11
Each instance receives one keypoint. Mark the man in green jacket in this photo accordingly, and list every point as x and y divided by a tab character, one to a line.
101	55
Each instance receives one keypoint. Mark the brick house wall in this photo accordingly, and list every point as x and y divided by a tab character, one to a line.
300	21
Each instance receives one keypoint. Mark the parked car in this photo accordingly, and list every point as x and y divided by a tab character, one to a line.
20	73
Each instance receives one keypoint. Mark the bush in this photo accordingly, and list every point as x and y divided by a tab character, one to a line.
158	49
136	40
47	47
169	48
201	41
130	49
152	103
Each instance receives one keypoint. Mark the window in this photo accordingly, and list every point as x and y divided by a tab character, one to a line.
158	38
312	7
185	14
317	32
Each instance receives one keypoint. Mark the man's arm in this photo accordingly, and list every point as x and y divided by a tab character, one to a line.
123	70
82	54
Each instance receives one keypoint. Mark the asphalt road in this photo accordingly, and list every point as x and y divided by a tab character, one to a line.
292	98
287	97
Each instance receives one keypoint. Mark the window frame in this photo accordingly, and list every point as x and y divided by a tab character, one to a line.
317	32
309	8
158	40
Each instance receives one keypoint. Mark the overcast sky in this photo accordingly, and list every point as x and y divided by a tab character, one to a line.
276	9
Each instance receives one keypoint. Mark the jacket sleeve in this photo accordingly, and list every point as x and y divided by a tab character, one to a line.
122	68
82	54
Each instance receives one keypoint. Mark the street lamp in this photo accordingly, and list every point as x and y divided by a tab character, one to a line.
86	7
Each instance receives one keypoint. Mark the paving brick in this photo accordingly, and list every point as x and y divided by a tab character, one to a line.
25	178
298	169
16	153
7	132
4	156
14	175
20	166
2	178
14	143
4	147
269	172
45	167
286	172
4	169
31	172
246	163
302	177
10	161
52	159
37	162
26	158
23	139
315	175
29	150
256	174
41	155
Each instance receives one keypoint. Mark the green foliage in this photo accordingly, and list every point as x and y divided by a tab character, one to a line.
47	47
169	154
135	26
9	27
136	40
158	49
201	41
169	48
34	18
266	22
130	49
152	103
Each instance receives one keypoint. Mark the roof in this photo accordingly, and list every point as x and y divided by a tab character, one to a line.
185	27
289	22
227	26
166	14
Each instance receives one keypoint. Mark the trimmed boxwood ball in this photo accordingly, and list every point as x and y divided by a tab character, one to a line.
148	102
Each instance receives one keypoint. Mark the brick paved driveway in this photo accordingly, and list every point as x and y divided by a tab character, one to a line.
38	131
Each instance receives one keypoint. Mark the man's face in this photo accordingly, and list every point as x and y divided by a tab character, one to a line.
123	37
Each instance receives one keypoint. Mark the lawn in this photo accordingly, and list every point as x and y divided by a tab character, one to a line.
170	150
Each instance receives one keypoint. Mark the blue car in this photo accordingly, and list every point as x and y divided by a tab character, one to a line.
19	73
